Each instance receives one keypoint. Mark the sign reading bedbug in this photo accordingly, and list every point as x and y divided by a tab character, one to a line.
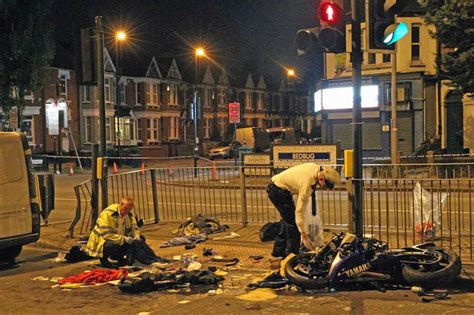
285	156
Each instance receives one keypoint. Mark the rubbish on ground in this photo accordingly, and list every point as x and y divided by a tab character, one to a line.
55	286
230	236
212	268
60	258
95	276
258	295
184	302
40	278
433	294
215	292
177	257
220	273
55	279
272	281
183	240
228	261
114	282
160	265
218	257
200	224
189	246
208	252
70	286
257	257
172	291
194	266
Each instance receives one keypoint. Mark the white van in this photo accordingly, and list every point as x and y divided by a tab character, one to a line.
19	210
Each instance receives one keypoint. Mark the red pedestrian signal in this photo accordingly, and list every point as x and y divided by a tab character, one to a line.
329	12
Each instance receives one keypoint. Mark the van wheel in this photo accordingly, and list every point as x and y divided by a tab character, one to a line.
10	253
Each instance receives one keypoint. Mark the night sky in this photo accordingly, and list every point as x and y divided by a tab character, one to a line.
245	35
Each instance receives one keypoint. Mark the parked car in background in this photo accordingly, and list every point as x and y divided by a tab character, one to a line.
224	150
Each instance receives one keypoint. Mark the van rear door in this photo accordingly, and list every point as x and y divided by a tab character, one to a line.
15	203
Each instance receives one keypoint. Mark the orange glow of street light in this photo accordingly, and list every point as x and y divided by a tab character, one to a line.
291	72
121	35
200	52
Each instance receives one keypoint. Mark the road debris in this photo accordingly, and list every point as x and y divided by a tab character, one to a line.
258	295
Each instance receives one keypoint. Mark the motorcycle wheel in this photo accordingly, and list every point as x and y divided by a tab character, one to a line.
297	272
446	272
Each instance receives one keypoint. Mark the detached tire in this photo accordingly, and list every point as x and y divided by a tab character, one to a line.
298	278
446	275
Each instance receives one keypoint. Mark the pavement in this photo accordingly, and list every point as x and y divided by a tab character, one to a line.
54	236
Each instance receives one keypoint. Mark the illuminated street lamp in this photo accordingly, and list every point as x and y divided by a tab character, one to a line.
119	37
198	52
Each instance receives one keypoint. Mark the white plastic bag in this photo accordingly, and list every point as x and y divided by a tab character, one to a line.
427	209
314	224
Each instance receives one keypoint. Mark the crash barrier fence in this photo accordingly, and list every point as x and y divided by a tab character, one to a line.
400	211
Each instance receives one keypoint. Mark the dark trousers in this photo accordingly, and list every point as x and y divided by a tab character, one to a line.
288	239
115	251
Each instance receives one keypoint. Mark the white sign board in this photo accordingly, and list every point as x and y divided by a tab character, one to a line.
285	156
257	164
52	115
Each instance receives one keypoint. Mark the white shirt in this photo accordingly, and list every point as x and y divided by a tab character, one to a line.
298	180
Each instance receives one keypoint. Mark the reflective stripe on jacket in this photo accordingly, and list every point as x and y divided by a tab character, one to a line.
106	230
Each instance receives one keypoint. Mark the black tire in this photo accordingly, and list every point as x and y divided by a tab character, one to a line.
299	278
446	275
9	254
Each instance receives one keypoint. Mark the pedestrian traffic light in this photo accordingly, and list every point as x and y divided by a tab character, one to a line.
382	30
330	36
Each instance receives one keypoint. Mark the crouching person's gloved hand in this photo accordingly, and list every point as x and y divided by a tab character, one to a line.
307	242
128	239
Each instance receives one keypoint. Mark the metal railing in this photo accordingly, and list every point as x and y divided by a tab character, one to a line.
238	194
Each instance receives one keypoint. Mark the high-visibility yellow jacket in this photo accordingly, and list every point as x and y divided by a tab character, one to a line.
106	229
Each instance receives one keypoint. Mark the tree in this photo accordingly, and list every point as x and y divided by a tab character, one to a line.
27	47
454	22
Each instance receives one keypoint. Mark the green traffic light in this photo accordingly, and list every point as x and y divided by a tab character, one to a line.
394	33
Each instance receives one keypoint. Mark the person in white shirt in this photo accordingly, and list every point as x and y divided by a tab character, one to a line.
300	180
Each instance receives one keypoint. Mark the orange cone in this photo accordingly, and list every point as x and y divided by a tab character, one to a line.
142	169
115	168
214	172
170	170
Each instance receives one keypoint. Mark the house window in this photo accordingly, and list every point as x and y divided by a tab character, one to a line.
88	129
371	59
174	122
173	94
86	94
152	130
139	130
248	100
207	128
107	89
62	86
155	129
415	42
138	94
403	92
126	129
386	58
122	93
221	97
108	129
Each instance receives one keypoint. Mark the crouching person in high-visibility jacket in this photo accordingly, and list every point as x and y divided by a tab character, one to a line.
115	230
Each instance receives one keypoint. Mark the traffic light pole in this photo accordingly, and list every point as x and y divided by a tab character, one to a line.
356	59
394	129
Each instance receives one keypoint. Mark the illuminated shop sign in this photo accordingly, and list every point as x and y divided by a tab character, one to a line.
335	97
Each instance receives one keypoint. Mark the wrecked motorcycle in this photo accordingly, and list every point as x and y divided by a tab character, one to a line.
351	259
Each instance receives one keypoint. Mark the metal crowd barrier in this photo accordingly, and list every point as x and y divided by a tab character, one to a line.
238	194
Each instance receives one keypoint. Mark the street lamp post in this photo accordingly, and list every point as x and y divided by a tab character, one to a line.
119	37
198	53
290	73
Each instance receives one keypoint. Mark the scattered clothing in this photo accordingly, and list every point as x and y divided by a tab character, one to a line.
228	261
273	281
77	254
200	224
147	282
95	276
184	240
230	236
208	252
140	251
